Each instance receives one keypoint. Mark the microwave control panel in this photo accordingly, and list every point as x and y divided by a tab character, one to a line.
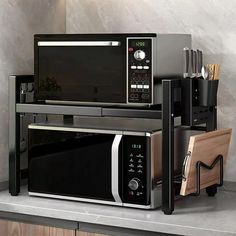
139	70
135	189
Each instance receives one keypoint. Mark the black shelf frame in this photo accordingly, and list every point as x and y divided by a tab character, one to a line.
169	110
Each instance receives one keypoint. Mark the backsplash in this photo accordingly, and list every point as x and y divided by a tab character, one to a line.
19	21
211	23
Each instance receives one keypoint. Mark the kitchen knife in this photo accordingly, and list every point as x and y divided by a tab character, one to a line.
199	63
186	73
194	63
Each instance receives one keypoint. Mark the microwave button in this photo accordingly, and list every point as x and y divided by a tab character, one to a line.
145	96
140	161
131	155
139	155
140	171
146	67
133	67
146	86
139	55
139	67
133	86
131	193
140	86
140	166
131	170
131	160
134	184
131	165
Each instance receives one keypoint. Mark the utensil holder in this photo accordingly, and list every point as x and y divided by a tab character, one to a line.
197	98
207	92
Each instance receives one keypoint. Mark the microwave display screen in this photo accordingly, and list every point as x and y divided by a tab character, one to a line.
136	146
139	43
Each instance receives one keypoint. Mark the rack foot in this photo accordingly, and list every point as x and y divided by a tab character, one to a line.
167	212
211	190
14	193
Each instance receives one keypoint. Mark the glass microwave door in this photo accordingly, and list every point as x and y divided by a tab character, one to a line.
70	164
82	73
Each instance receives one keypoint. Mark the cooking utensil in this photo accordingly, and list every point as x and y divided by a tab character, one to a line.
211	69
217	72
199	62
214	70
194	65
186	63
205	72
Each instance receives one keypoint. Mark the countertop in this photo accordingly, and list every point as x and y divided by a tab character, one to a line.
201	215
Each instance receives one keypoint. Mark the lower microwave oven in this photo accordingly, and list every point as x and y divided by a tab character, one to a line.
106	69
110	165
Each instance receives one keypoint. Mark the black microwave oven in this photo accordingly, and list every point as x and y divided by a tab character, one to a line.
106	69
116	162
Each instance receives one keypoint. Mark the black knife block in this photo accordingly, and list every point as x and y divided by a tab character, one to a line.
197	97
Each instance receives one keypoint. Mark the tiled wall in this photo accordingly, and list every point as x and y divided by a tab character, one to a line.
212	24
19	21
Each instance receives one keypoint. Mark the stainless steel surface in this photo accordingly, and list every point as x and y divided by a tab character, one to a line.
199	63
186	62
205	72
74	198
170	47
192	63
78	43
134	184
115	168
71	128
139	55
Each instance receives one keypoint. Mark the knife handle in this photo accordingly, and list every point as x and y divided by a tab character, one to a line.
199	63
186	62
194	63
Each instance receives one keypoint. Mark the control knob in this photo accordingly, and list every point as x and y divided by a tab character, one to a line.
139	55
134	184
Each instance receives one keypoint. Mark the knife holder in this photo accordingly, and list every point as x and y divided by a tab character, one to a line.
198	97
207	92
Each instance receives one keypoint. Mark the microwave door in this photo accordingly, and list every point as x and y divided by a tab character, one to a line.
74	165
81	71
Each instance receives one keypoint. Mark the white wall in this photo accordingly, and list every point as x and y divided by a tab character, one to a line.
212	24
19	21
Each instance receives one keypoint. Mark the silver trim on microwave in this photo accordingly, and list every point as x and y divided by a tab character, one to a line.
79	43
115	168
87	200
85	130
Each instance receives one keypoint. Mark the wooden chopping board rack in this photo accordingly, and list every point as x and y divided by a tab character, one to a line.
205	149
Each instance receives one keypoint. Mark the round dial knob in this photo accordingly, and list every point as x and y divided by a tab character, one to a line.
134	184
139	55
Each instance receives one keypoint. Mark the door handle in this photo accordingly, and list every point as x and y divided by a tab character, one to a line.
115	168
80	43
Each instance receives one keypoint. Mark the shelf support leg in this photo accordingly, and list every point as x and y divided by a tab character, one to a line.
168	147
14	142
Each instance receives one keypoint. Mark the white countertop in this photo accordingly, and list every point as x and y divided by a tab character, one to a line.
192	216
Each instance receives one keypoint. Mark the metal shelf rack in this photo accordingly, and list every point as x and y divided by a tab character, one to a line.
167	113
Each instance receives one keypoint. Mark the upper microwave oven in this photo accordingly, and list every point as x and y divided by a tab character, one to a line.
106	69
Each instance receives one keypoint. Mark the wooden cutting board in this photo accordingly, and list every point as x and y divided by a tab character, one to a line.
205	147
